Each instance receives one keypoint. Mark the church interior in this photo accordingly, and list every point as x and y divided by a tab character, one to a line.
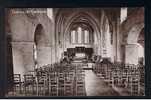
75	51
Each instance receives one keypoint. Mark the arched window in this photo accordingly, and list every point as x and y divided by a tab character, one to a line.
123	15
73	36
79	35
35	51
86	36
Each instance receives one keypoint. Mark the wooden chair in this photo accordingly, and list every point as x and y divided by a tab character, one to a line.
80	84
42	84
116	77
110	77
61	84
141	75
69	84
104	71
29	84
124	78
17	83
135	87
53	84
99	70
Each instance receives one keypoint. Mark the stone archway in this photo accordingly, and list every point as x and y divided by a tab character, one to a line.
40	47
22	29
134	50
140	39
39	35
64	25
130	30
134	33
82	17
38	42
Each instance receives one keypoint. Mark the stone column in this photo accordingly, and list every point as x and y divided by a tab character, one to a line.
118	41
104	45
43	55
131	54
99	44
114	42
23	58
53	52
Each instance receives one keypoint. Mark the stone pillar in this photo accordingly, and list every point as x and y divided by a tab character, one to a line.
123	53
114	42
23	59
118	41
104	51
43	55
99	47
131	54
53	52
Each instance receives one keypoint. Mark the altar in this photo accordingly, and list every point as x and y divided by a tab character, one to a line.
80	55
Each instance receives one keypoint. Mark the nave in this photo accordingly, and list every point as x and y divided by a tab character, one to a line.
75	52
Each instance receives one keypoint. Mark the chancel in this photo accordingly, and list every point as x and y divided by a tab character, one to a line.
75	51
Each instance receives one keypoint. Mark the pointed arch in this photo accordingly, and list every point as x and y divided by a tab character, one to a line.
39	35
82	17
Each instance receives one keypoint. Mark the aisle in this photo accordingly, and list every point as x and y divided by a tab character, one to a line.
97	87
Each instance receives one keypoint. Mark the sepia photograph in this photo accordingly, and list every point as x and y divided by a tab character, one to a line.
71	52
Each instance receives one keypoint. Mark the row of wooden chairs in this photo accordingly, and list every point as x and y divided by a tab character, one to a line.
128	76
53	80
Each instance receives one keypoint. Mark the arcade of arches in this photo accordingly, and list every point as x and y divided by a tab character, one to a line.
94	41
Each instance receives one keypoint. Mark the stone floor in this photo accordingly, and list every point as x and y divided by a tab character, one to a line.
98	87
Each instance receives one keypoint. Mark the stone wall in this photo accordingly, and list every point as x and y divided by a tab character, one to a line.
131	29
22	28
